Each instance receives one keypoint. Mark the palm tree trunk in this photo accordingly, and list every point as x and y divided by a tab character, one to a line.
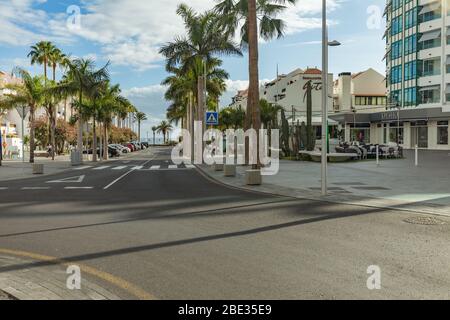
32	131
253	93
52	133
80	127
105	144
94	141
139	131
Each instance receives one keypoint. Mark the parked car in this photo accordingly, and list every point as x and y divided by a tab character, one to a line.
113	152
145	144
131	147
121	148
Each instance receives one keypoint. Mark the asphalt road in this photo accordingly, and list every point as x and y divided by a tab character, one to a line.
178	235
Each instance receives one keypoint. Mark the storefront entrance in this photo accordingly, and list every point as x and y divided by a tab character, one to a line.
419	137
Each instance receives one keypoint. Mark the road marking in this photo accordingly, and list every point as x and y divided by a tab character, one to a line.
79	188
120	168
155	167
77	179
83	168
3	188
114	280
173	167
125	174
101	168
190	166
35	188
138	168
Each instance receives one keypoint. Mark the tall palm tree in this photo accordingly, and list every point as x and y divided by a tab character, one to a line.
164	127
31	92
57	58
244	15
40	54
81	79
204	40
140	117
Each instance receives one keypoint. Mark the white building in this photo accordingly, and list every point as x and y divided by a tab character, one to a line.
289	91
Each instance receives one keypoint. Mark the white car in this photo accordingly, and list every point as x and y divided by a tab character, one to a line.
121	148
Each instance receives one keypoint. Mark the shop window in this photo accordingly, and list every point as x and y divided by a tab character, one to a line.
442	133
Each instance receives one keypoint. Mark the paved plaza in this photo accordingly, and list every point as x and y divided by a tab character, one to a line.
394	183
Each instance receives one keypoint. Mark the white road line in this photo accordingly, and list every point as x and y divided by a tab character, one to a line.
120	168
3	188
124	175
35	188
155	168
82	168
138	168
173	167
101	168
79	188
190	166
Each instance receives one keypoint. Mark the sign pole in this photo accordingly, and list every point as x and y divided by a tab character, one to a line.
23	135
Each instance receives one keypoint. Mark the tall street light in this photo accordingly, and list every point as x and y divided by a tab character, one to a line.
325	44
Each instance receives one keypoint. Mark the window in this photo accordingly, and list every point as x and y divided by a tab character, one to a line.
397	24
431	67
396	4
411	70
430	96
396	74
411	44
410	96
442	134
411	18
396	97
396	51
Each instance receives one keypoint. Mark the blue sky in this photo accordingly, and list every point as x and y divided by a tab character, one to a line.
129	33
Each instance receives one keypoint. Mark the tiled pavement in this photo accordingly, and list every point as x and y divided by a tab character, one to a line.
44	283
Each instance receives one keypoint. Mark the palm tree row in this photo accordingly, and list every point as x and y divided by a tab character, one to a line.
93	96
193	58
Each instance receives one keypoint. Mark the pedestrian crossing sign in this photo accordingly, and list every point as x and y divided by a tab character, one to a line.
212	118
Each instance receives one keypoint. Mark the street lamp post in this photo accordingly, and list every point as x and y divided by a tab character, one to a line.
325	44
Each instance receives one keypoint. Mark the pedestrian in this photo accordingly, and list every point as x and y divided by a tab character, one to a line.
5	145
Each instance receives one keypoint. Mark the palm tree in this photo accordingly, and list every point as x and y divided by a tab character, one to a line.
40	54
248	13
154	129
30	93
164	128
81	79
205	39
140	116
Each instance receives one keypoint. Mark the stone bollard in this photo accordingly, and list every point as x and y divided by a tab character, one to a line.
218	167
38	168
253	177
230	170
76	158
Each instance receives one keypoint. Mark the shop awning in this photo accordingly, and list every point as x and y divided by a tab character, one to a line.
429	88
431	35
431	7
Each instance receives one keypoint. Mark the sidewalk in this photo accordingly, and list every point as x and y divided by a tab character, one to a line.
396	184
24	280
12	170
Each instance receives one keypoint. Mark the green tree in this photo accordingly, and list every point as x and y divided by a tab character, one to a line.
154	129
164	127
243	15
204	40
140	117
31	92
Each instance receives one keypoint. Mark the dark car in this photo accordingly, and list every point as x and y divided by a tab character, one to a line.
113	152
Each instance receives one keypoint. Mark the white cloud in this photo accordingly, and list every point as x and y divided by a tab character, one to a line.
128	31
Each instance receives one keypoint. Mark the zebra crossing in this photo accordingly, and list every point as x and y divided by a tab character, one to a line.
164	167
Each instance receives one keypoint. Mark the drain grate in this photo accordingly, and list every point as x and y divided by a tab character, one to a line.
425	221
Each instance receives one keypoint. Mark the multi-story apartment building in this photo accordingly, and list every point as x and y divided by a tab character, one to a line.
418	71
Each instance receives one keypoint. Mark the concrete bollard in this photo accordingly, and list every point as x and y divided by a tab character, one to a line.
417	156
230	170
253	177
218	167
38	168
378	155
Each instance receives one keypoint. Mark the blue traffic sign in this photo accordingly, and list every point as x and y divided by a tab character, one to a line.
212	118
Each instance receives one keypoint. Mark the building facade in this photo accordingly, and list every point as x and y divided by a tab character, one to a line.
418	71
